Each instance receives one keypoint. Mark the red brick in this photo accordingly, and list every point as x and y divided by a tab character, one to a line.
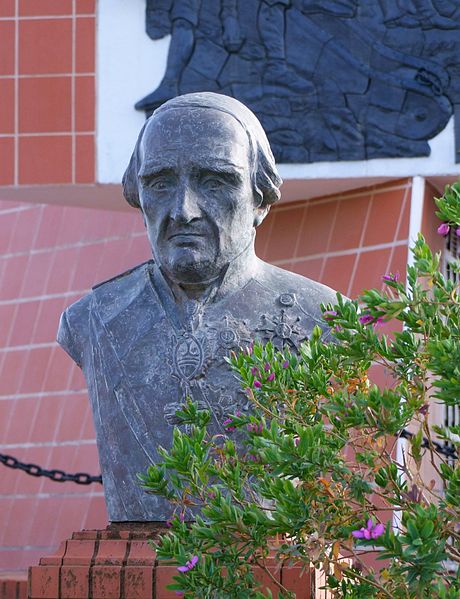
85	159
36	367
265	579
371	266
164	576
86	6
349	223
138	582
97	513
38	42
84	103
111	553
56	558
7	312
337	272
44	104
45	159
85	45
7	8
74	582
7	37
21	421
309	268
12	371
384	216
22	513
7	160
49	227
61	271
56	376
5	507
141	553
32	8
46	325
297	581
7	111
43	582
35	275
44	526
287	225
139	250
7	229
23	323
88	261
79	553
106	582
317	228
25	230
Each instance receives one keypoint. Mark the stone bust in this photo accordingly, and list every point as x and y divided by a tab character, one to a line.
203	176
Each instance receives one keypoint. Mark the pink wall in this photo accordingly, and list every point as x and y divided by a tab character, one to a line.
50	256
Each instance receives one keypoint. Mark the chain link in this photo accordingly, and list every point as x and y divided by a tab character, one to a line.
82	478
59	476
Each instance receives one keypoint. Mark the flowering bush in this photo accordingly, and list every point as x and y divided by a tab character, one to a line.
313	473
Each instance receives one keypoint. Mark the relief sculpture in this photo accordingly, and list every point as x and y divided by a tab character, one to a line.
329	80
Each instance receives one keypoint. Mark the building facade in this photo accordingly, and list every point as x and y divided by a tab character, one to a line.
70	74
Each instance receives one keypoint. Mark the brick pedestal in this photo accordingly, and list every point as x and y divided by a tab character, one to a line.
118	563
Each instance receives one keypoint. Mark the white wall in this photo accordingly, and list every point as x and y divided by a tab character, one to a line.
130	65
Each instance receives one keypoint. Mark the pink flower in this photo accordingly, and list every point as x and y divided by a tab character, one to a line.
366	319
329	314
444	229
189	565
179	593
271	376
369	532
379	322
253	427
228	425
391	277
296	441
257	384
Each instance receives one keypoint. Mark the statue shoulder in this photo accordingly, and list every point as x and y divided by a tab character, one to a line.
306	290
110	297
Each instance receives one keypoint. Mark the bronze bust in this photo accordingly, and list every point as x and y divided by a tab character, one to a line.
203	175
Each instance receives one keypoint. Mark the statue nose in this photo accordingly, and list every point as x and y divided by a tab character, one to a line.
185	208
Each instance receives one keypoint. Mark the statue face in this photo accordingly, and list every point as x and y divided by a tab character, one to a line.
195	192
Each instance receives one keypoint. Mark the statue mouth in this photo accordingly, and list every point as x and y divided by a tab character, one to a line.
184	235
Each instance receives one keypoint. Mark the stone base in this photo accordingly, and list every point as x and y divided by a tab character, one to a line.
118	563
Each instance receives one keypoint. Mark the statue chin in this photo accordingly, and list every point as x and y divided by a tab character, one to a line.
193	273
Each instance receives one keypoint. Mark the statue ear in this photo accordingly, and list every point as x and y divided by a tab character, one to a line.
259	214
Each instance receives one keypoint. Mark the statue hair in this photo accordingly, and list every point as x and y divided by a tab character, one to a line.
264	175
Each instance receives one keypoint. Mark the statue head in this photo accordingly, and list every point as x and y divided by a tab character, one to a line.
204	177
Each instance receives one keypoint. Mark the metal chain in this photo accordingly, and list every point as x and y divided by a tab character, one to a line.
59	476
81	478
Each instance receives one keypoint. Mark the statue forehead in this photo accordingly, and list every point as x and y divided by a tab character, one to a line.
207	128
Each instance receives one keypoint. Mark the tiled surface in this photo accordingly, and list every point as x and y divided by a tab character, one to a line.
47	82
50	256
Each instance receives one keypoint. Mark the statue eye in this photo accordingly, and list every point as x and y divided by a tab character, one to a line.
213	183
159	184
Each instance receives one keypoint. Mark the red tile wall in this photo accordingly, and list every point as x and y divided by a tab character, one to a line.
50	256
47	91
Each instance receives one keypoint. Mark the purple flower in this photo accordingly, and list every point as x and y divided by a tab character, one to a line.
228	425
366	319
369	532
254	370
286	364
267	366
457	232
444	229
189	565
296	441
257	384
168	523
329	314
391	277
182	517
253	427
271	376
179	593
379	322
